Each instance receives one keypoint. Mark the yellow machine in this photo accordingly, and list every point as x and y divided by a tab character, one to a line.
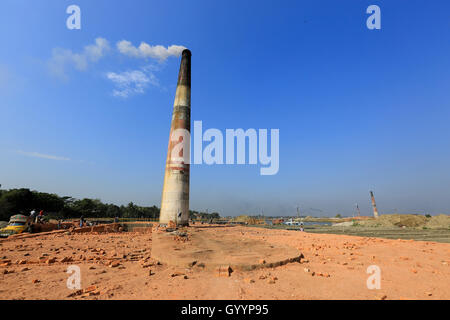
17	224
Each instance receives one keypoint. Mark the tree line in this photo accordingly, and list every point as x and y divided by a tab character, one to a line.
22	201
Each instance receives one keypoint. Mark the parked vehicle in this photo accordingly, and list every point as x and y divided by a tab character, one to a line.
17	224
290	222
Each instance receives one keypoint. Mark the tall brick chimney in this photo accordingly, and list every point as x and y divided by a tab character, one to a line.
374	205
175	193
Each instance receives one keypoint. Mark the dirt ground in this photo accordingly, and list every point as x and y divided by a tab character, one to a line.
119	266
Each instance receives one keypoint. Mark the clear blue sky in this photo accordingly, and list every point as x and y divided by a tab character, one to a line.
357	109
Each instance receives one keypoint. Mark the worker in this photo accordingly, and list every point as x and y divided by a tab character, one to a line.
32	215
81	221
41	216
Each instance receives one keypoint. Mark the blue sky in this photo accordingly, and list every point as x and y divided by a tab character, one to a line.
357	109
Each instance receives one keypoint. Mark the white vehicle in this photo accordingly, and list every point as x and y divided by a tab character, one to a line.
291	223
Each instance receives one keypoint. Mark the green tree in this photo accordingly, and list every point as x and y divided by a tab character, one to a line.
16	201
22	201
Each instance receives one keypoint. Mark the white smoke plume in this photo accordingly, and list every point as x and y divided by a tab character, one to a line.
63	58
131	82
147	51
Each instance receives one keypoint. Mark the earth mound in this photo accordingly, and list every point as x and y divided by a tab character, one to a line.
409	221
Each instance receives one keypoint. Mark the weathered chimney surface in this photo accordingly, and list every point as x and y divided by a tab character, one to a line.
175	194
374	205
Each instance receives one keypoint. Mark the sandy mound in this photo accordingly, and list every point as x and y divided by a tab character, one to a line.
245	218
440	221
343	224
396	220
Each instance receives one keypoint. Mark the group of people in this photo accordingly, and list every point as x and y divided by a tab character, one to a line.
37	218
83	222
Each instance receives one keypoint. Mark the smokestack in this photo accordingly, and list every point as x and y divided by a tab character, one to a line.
375	211
175	193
